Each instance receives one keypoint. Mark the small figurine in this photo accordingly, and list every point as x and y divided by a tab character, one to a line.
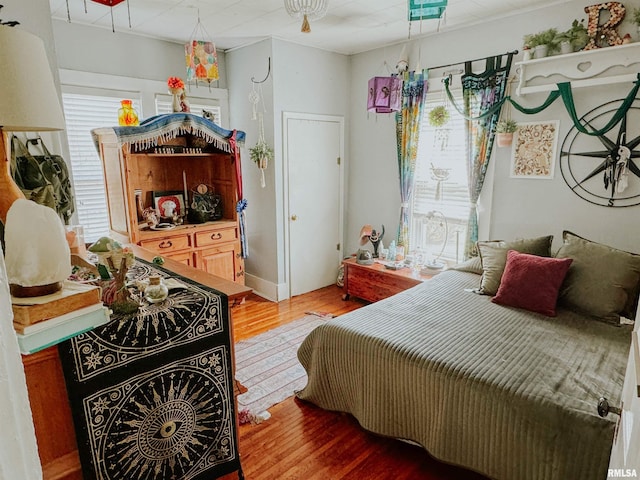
369	233
150	216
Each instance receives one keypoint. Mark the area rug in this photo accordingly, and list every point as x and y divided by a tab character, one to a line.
267	365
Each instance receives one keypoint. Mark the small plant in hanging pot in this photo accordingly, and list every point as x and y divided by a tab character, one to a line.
261	153
504	132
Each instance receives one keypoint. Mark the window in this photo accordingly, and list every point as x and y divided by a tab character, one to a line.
163	105
83	113
440	201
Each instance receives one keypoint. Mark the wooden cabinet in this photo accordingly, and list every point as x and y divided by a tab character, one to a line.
48	398
213	246
375	282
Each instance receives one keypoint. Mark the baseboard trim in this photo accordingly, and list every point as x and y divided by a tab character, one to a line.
264	288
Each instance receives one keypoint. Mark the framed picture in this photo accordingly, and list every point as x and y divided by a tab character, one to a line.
207	203
169	203
533	152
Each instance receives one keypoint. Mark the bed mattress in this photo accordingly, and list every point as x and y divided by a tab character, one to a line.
502	391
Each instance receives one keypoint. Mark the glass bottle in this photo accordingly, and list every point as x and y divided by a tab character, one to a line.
127	115
156	291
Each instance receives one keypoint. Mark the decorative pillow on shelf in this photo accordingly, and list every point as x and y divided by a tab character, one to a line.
532	282
603	281
493	255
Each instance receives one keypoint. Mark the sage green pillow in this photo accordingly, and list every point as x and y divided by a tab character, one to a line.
602	282
473	265
493	255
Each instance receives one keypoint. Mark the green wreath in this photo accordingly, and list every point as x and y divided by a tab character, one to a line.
439	116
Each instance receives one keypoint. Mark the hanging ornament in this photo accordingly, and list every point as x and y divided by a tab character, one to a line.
261	153
201	56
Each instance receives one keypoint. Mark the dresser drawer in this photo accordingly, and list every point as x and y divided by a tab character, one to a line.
213	237
167	244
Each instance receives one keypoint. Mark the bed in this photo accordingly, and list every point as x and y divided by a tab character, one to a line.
502	391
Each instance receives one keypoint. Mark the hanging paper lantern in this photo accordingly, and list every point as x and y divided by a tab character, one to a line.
425	9
202	61
385	94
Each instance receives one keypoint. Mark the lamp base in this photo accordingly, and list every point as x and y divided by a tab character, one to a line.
36	291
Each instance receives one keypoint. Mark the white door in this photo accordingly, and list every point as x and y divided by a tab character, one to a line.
313	162
625	454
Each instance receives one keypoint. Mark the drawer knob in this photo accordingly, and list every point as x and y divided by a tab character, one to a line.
165	244
216	236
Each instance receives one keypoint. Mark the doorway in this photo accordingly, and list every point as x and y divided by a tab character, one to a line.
314	196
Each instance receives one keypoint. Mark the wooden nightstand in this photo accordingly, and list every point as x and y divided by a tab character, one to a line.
375	282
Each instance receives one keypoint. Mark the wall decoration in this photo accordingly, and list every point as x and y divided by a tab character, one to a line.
606	34
603	169
169	204
534	150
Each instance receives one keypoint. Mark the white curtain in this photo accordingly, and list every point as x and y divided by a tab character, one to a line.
18	448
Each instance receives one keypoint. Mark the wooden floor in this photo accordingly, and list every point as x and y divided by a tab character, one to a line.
301	441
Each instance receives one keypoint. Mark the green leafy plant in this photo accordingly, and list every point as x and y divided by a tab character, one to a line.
636	16
261	151
547	37
577	35
506	126
439	116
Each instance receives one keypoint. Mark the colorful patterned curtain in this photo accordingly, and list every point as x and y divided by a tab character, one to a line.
408	121
481	92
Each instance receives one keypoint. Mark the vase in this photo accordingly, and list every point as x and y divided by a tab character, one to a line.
156	291
504	139
127	115
175	103
541	51
565	47
526	55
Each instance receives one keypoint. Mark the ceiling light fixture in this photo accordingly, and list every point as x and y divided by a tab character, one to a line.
307	10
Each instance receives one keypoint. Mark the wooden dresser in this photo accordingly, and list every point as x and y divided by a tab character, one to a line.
376	282
52	419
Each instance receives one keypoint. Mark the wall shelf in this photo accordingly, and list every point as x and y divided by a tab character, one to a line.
601	66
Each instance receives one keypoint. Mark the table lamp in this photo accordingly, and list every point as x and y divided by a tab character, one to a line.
29	99
29	102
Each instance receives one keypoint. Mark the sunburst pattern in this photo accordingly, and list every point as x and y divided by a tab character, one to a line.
183	317
173	422
152	393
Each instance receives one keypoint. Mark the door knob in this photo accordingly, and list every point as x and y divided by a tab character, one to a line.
604	408
294	217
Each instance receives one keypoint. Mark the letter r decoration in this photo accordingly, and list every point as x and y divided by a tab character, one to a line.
605	34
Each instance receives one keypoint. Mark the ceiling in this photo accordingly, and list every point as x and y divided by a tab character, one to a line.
350	26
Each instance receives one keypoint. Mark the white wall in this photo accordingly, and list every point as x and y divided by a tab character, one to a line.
509	207
121	53
261	266
304	80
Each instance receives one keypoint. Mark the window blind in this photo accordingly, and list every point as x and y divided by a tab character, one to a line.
440	187
164	102
82	114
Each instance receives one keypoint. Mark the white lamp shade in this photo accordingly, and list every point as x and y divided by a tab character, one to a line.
28	97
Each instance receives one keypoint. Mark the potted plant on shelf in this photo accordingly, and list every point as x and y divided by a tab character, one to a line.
544	43
573	39
504	132
636	19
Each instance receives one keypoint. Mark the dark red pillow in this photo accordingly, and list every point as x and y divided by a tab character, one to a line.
532	282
